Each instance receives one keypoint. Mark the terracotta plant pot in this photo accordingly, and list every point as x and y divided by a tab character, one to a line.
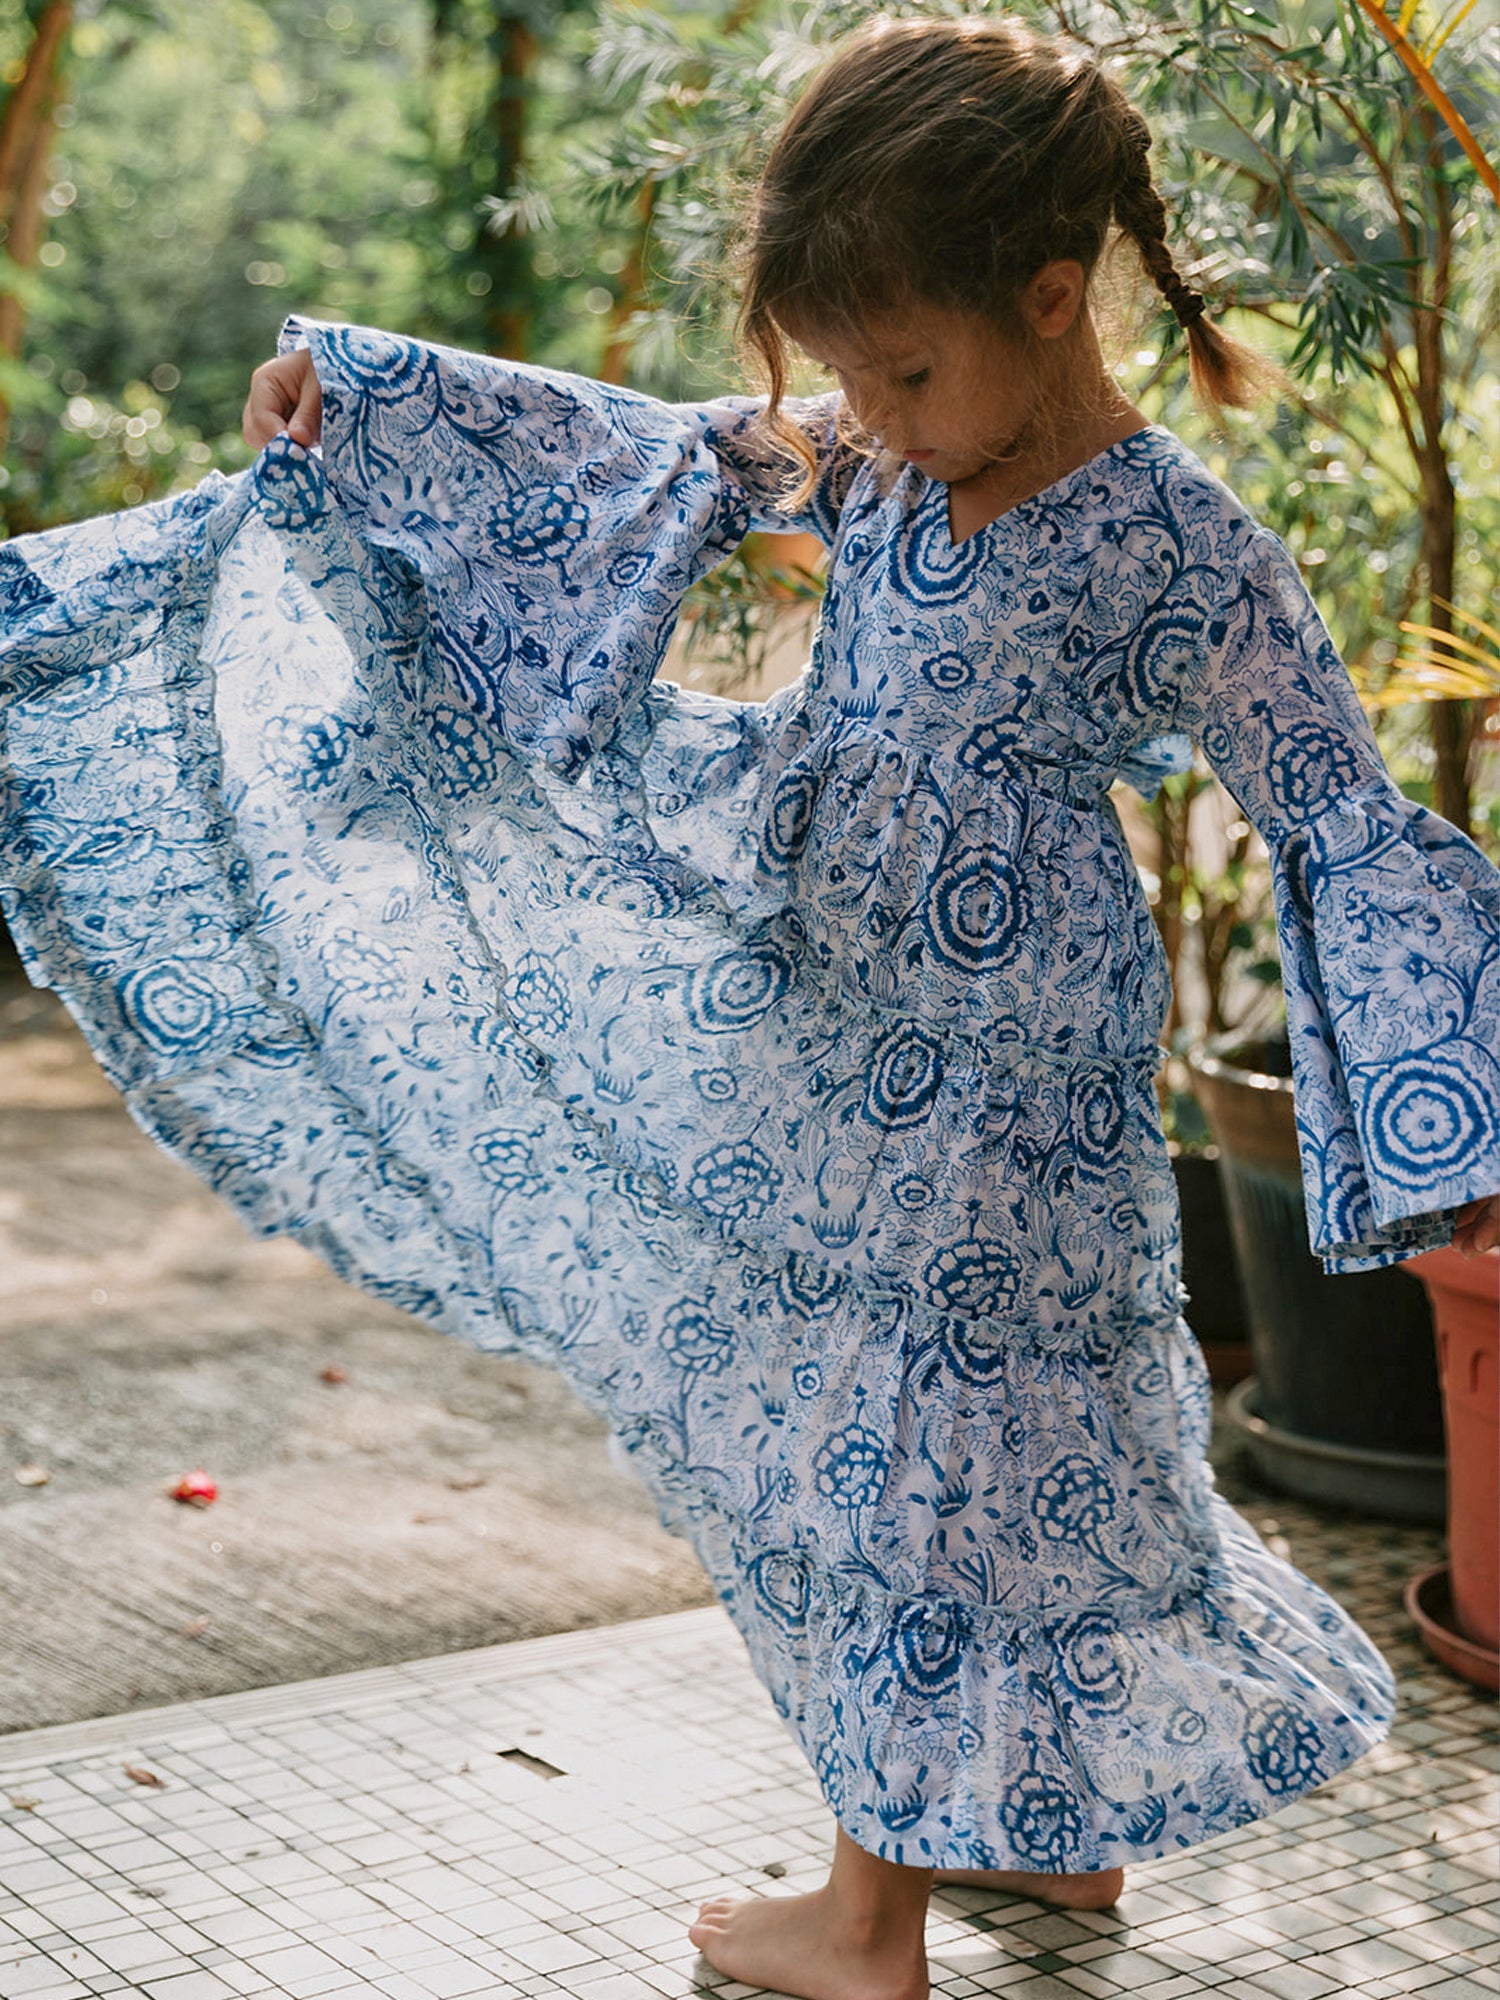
1465	1297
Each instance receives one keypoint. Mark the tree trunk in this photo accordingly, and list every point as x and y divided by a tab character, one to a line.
632	293
28	104
1170	812
25	147
1452	722
509	259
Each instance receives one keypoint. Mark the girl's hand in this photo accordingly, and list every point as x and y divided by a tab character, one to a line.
1476	1226
284	396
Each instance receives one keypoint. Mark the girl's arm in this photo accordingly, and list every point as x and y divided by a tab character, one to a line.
554	522
286	397
1388	920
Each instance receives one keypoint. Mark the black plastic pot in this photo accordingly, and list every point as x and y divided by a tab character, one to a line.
1210	1268
1346	1361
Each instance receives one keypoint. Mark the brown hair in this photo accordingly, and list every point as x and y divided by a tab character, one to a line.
945	162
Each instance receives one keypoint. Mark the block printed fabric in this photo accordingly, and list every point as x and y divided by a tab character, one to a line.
783	1071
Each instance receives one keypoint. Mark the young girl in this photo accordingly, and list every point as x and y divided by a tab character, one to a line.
784	1071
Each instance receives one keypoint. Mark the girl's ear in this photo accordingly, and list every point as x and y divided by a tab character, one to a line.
1053	299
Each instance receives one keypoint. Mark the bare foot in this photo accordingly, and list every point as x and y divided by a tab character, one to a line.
794	1944
859	1937
1100	1891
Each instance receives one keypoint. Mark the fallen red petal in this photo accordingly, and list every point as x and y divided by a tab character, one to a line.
139	1777
196	1489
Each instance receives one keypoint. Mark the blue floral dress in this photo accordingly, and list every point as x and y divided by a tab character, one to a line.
780	1071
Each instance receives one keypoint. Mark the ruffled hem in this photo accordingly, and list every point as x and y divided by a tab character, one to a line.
947	1734
1389	921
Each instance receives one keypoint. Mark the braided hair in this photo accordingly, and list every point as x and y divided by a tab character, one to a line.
945	162
1222	371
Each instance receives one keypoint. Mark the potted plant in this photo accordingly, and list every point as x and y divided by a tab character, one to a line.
1195	853
1344	1403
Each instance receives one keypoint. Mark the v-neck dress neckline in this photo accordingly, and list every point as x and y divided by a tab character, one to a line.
1045	495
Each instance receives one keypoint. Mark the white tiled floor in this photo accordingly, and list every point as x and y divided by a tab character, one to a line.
540	1819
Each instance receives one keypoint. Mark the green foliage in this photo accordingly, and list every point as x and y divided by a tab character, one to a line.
214	168
1315	199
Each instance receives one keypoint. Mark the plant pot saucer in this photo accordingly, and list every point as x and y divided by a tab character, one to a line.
1429	1605
1396	1485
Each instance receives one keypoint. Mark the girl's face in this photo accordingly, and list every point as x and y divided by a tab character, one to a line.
942	389
948	390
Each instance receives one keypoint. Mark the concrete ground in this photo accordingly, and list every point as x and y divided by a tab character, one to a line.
427	1499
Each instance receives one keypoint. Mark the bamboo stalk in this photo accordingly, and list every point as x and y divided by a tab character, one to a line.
1395	33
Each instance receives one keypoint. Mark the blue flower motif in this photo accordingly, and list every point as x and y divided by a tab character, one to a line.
538	996
947	671
307	745
906	1075
382	366
695	1341
1164	647
81	694
1285	1751
1073	1499
927	566
807	1379
974	1277
504	1160
716	1086
978	910
913	1192
1309	764
990	749
468	757
851	1468
738	988
362	965
1043	1822
543	530
735	1182
781	1591
789	817
288	485
177	1009
924	1649
643	890
21	589
1096	1119
1186	1725
1423	1119
802	1286
1088	1663
903	1807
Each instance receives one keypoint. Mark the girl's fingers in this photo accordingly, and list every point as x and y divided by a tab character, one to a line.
284	396
1476	1226
306	424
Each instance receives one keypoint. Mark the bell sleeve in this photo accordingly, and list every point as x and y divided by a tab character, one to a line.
554	522
1388	921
